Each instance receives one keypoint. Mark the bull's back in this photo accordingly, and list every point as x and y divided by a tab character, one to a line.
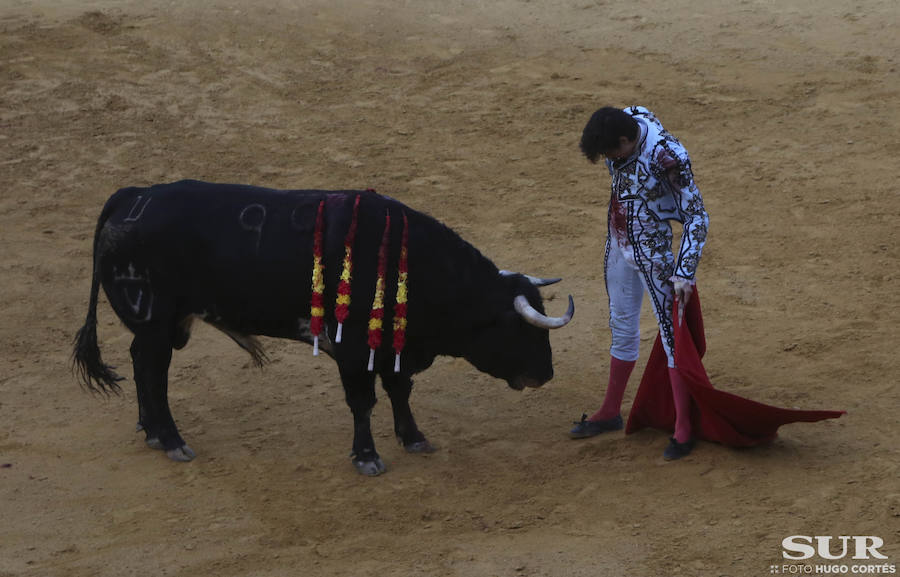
242	255
238	254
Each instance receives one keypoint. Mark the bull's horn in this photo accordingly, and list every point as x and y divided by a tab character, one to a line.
536	281
533	317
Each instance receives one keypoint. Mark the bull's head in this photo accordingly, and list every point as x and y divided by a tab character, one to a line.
515	346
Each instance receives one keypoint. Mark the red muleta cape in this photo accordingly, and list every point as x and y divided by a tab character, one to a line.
715	415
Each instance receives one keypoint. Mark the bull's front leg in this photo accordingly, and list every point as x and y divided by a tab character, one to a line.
399	387
359	389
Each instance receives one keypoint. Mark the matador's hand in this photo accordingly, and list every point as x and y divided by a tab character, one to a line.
684	288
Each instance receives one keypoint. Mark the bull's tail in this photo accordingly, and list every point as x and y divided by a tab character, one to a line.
90	369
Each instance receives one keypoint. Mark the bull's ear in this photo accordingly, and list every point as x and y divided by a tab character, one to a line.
536	281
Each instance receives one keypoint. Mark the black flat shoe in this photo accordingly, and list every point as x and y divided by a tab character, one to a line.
677	450
584	428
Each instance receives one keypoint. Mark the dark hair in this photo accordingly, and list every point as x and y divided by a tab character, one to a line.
604	129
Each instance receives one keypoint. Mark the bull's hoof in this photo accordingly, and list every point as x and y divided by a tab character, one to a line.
182	454
370	468
420	447
154	443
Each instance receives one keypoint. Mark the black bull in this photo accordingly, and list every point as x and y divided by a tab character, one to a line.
241	257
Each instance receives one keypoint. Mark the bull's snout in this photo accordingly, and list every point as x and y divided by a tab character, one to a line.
519	383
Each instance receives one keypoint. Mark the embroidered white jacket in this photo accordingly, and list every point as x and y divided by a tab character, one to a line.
650	188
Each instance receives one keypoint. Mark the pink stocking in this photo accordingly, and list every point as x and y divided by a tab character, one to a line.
619	371
682	398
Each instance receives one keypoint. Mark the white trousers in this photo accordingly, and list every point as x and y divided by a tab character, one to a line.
626	284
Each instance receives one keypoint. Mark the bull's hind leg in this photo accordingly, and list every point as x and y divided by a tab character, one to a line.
398	388
151	354
359	389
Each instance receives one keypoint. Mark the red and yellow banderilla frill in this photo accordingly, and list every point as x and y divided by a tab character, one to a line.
342	304
317	302
376	315
400	307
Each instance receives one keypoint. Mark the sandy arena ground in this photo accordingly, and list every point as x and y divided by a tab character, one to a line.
471	111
